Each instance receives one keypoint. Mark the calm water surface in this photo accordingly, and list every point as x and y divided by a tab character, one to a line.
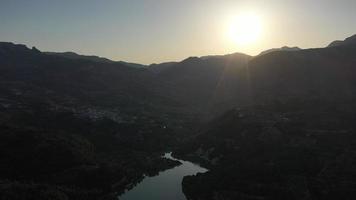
167	185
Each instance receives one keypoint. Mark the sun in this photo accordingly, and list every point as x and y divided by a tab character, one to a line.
245	28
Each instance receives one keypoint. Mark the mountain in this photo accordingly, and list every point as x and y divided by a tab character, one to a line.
188	87
275	126
98	126
74	128
324	74
157	68
295	140
72	55
348	41
205	85
59	81
285	48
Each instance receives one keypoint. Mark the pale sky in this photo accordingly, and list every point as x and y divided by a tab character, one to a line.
154	31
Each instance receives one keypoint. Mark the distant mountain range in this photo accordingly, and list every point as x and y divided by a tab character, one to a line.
279	125
209	83
285	48
72	55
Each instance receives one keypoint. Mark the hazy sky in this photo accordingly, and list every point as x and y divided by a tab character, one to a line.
148	31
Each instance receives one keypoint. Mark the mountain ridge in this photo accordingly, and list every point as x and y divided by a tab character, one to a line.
245	118
284	48
348	41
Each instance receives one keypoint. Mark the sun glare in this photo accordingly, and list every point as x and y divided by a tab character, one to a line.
245	29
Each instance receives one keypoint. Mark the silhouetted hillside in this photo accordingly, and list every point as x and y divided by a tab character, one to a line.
348	41
80	80
74	128
205	85
296	139
78	127
72	55
318	74
285	48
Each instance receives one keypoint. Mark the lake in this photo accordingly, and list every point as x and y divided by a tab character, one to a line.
166	185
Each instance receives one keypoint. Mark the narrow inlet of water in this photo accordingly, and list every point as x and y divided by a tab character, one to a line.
166	185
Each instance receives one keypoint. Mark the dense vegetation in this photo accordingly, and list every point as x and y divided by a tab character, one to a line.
256	153
76	158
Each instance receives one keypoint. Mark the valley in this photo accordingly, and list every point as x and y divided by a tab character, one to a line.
274	126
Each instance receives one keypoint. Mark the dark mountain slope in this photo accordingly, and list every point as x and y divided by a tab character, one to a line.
74	128
205	85
105	122
292	136
348	41
72	55
89	127
263	154
285	48
324	74
296	139
27	71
